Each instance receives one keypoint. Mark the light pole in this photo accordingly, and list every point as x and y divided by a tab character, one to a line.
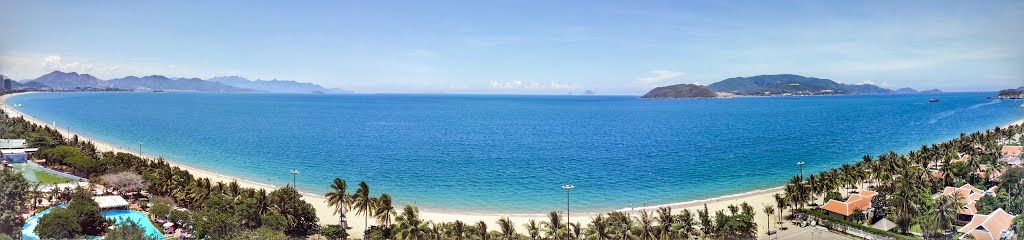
801	165
140	148
567	188
294	174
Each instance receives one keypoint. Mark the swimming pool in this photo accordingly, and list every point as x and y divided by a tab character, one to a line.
120	216
28	231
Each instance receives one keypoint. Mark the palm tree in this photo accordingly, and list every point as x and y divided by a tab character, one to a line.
553	227
646	230
508	230
665	223
480	231
768	211
409	225
339	199
533	229
781	203
684	225
458	230
599	229
622	224
384	210
945	212
575	232
362	202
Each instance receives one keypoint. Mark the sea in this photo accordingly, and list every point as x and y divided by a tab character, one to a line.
513	153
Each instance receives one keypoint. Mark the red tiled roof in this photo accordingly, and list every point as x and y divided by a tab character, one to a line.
1012	151
860	201
988	226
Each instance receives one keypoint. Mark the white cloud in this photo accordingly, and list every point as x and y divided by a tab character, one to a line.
30	66
659	77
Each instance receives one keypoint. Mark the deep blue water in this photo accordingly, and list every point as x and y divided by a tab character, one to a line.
512	153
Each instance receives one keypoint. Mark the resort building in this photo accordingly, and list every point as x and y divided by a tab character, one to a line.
15	150
1012	155
992	226
843	210
970	196
111	202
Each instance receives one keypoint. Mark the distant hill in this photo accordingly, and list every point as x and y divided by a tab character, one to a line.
905	90
280	86
681	91
62	80
790	83
157	82
933	91
1012	93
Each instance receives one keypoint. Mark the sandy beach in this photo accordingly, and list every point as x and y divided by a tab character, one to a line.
754	198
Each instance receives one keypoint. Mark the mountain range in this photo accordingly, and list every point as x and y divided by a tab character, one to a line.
792	84
780	84
71	80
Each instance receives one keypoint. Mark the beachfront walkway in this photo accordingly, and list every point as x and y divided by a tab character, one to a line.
807	233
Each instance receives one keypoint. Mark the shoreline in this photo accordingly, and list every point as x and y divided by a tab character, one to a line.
755	198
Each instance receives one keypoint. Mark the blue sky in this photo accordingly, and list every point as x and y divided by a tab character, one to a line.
533	47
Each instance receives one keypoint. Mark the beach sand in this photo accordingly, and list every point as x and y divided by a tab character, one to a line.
757	199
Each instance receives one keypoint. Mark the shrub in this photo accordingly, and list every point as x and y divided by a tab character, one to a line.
60	223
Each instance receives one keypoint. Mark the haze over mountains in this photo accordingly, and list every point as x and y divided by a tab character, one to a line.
71	80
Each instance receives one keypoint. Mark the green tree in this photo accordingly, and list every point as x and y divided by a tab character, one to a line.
832	196
599	229
409	226
87	213
532	228
217	220
339	199
14	191
302	219
362	202
508	229
383	210
333	232
60	223
127	230
945	211
274	221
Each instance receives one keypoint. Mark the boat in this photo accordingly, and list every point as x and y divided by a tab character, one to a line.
933	100
158	90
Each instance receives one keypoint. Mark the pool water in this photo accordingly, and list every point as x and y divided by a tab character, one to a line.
28	231
120	216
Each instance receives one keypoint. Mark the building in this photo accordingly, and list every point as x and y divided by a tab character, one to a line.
1012	155
8	85
843	210
15	150
992	226
970	196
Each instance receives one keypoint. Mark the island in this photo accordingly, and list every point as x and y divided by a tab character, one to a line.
681	91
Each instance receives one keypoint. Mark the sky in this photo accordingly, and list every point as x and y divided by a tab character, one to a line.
522	47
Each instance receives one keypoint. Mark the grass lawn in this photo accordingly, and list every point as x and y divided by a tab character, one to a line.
45	177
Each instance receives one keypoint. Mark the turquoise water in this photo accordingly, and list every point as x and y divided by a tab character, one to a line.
500	153
120	216
28	231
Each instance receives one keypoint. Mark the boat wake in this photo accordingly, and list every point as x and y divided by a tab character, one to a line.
946	114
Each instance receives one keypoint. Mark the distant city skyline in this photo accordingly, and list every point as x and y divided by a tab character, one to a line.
533	47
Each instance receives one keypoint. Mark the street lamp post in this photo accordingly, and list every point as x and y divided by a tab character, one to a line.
801	165
567	188
294	174
140	149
